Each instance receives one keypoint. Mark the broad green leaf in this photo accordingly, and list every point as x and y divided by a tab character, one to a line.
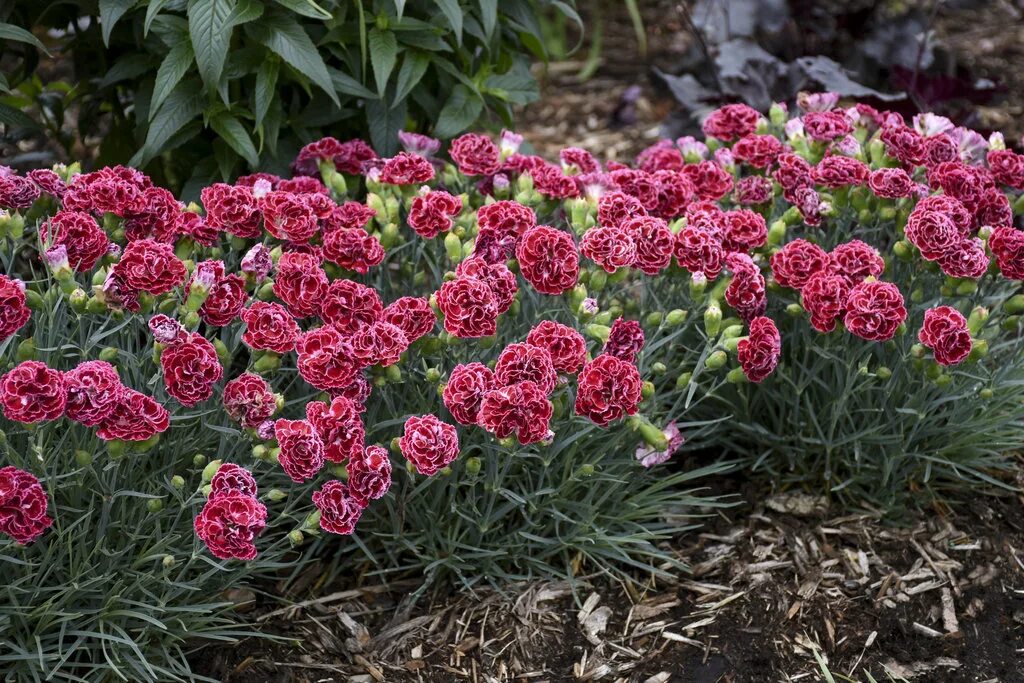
10	116
151	13
459	113
453	13
383	53
414	65
344	83
266	82
234	133
288	40
171	71
517	86
129	66
226	160
306	8
181	106
245	11
18	34
110	12
489	16
384	124
210	34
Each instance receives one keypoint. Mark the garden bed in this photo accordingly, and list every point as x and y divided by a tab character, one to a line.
938	597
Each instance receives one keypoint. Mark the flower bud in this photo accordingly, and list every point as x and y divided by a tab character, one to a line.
168	561
976	320
655	318
83	458
453	247
647	389
190	320
683	380
598	280
658	368
883	373
778	113
508	443
266	291
586	470
34	300
698	283
979	350
943	380
917	350
260	452
210	470
653	436
1014	305
967	288
776	233
986	393
155	504
26	350
1010	323
276	495
473	465
736	376
675	317
198	460
712	319
268	362
116	448
178	482
433	375
731	344
716	360
108	354
296	538
598	332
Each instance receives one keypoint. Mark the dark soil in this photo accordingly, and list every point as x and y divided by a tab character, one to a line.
771	584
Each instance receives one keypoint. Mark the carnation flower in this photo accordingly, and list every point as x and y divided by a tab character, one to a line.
616	207
48	181
349	215
731	121
577	161
93	392
548	259
826	126
17	192
795	263
712	182
229	525
350	306
257	262
1007	245
369	474
231	209
699	251
353	249
1007	167
856	261
325	359
79	233
506	218
891	183
945	332
759	353
746	290
136	417
23	505
469	307
417	143
653	241
429	444
14	312
413	315
793	172
520	409
625	340
269	327
497	276
754	190
406	169
638	184
675	192
968	261
300	283
340	427
760	151
249	400
610	248
225	300
607	389
475	154
935	234
525	362
839	171
464	392
874	310
744	230
903	144
191	368
149	266
566	346
232	479
32	392
648	456
340	509
378	344
431	213
302	451
550	181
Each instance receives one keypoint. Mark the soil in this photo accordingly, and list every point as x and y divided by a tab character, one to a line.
773	584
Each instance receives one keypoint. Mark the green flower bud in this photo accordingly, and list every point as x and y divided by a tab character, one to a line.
276	495
933	371
658	369
394	446
83	458
222	352
776	233
647	389
1010	323
712	319
716	360
903	250
675	317
655	318
198	460
979	350
210	470
917	296
260	452
433	375
488	342
154	504
794	310
266	291
268	362
79	300
296	538
117	448
473	465
732	331
508	443
393	374
1015	304
986	393
778	114
586	470
34	300
598	280
599	332
730	344
190	320
967	288
917	351
178	482
26	350
976	320
883	373
736	376
943	380
683	380
453	247
168	561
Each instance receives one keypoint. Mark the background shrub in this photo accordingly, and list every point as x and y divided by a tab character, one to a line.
191	90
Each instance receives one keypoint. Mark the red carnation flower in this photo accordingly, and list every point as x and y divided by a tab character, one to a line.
93	392
464	392
965	183
300	283
325	359
759	353
378	344
550	181
191	368
136	417
17	192
625	340
32	392
349	215
302	184
357	391
1007	245
369	474
431	214
675	191
14	312
610	248
406	169
824	297
231	209
874	310
1008	167
660	157
636	183
566	346
614	208
994	209
340	428
731	121
578	160
826	126
150	266
225	301
48	181
934	234
251	180
269	327
506	218
793	172
232	479
80	234
653	241
196	227
526	363
904	144
475	154
497	276
744	230
760	151
754	190
229	525
548	259
891	183
839	171
353	249
951	206
699	251
795	263
469	307
157	217
350	306
23	505
413	315
340	509
711	180
856	261
302	451
939	149
608	388
969	260
288	216
429	444
249	400
521	409
945	333
746	290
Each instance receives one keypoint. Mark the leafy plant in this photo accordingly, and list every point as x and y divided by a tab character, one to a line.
199	89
